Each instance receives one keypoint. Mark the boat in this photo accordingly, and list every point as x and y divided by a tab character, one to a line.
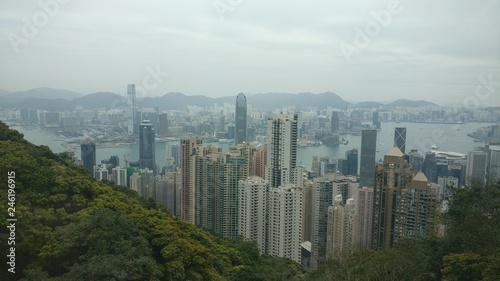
435	146
477	140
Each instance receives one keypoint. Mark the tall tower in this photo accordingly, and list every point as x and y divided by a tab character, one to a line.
131	116
163	124
241	119
282	149
147	146
88	155
188	149
400	138
352	162
335	126
476	166
368	150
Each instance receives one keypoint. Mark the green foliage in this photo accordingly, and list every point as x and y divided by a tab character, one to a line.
72	227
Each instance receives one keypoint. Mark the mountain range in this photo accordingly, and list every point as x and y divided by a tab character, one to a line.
60	100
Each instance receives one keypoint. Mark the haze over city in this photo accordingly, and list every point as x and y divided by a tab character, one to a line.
438	51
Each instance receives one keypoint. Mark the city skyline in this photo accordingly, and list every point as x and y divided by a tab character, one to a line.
228	43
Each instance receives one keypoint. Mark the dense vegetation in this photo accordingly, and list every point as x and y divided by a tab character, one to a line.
72	227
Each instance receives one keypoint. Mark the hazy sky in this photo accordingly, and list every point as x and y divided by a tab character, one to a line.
361	50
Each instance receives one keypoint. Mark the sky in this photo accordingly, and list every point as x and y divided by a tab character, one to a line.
445	51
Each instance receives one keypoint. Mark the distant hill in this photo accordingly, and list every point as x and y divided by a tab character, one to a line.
39	93
100	99
369	104
409	103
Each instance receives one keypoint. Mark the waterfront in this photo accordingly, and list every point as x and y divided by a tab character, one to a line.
421	136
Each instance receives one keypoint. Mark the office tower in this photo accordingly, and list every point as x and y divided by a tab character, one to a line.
252	212
376	120
429	166
241	119
119	176
476	166
216	189
343	223
259	162
147	146
368	151
352	162
326	167
400	138
284	230
174	152
343	166
324	191
131	117
415	160
494	163
188	147
222	123
163	125
364	204
335	122
282	148
88	155
315	166
404	205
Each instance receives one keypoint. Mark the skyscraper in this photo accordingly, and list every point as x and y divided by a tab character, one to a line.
163	124
281	148
188	149
342	234
241	119
476	166
352	162
368	151
147	146
88	155
400	138
335	122
376	120
131	117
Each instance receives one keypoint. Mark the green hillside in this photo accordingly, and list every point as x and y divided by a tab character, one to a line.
72	227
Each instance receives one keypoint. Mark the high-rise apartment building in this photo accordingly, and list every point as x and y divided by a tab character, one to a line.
281	148
132	111
252	212
284	232
189	148
88	155
368	152
217	175
147	146
404	205
494	163
241	119
364	205
342	234
400	138
119	176
259	159
325	189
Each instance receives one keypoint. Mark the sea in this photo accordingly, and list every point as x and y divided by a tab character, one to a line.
420	136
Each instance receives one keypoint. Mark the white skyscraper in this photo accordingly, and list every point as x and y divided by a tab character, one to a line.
131	116
284	233
281	149
253	195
